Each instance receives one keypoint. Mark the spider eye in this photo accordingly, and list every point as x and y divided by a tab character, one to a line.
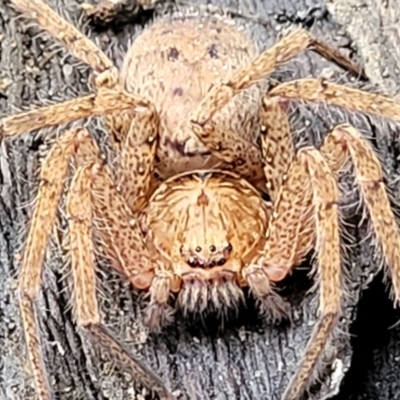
213	248
192	262
229	247
221	261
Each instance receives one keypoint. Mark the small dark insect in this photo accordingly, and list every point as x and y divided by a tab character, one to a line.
187	107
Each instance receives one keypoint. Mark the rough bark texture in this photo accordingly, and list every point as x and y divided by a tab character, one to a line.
373	25
250	360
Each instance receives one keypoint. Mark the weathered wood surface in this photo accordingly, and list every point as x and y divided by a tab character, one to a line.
373	26
250	361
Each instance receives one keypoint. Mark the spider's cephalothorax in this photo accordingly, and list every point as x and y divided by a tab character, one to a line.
205	226
188	110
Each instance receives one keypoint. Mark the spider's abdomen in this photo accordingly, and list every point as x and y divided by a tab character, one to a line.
173	64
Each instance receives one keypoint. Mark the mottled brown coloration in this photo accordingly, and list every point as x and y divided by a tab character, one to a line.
53	174
369	176
323	91
79	209
106	12
205	231
277	145
79	213
84	107
33	347
326	224
179	57
201	222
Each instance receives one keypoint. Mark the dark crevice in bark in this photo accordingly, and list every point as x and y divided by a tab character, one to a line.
371	333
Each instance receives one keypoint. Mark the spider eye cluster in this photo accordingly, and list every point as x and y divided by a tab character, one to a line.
207	257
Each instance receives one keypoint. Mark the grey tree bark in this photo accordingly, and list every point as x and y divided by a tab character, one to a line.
373	26
249	360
